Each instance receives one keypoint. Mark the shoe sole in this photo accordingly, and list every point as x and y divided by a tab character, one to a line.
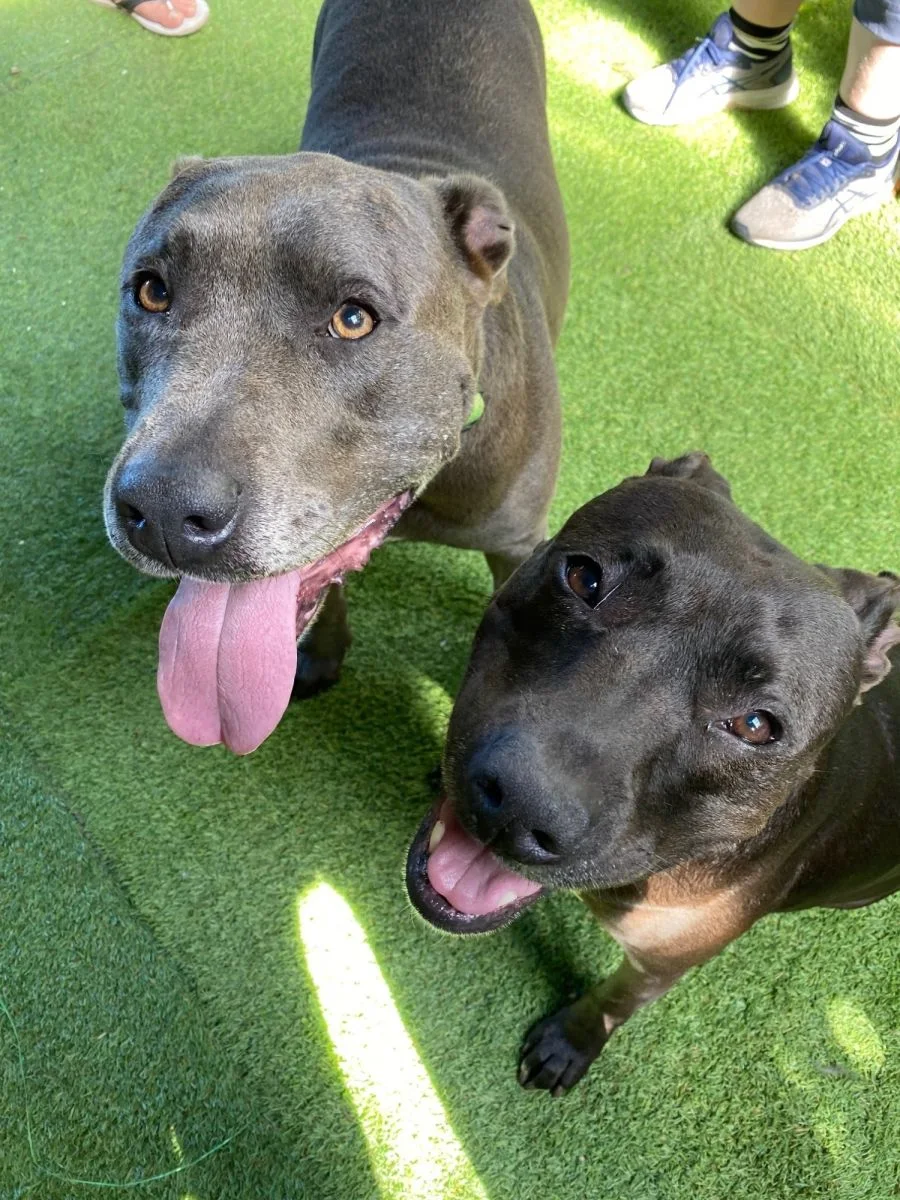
871	205
764	98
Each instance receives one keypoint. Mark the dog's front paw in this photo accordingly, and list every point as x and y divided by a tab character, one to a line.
558	1052
315	673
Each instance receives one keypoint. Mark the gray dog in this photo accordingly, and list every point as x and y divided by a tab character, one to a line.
318	349
669	712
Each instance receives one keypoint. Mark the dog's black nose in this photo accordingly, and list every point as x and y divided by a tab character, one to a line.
178	515
514	804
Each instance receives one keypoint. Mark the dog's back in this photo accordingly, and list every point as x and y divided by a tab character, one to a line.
434	87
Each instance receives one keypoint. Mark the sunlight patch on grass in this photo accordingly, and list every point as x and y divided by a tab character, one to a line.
412	1149
856	1036
433	707
175	1142
830	1127
597	51
601	52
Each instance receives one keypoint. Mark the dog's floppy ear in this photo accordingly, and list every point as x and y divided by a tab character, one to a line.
875	599
186	164
482	230
184	173
694	466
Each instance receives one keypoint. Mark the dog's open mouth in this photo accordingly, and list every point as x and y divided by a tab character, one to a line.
456	883
228	651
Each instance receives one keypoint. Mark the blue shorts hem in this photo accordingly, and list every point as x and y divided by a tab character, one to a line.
880	17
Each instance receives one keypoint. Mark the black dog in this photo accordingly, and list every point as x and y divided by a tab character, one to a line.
318	348
665	710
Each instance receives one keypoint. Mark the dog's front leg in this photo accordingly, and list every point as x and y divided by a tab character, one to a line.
661	942
321	650
558	1050
503	564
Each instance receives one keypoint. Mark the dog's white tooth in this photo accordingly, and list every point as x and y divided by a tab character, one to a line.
436	835
507	898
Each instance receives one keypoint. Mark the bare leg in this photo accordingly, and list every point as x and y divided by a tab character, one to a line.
871	80
321	650
773	13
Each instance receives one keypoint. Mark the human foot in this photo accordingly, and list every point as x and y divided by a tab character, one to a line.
805	205
170	13
173	18
713	76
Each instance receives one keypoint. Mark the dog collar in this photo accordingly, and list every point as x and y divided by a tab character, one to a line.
476	412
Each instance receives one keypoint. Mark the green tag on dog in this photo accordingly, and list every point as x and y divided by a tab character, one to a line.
476	412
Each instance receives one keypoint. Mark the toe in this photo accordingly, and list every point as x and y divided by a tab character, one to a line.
535	1070
159	13
551	1061
549	1073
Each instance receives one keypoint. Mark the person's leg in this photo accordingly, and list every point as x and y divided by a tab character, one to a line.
853	167
871	80
743	62
768	13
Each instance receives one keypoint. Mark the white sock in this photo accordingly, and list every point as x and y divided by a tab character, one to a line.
880	136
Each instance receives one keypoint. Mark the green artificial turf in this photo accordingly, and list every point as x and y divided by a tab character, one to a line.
150	952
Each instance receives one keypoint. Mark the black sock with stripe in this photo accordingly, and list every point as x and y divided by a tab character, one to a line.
880	137
759	42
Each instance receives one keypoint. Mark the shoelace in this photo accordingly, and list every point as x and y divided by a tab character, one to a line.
818	175
703	51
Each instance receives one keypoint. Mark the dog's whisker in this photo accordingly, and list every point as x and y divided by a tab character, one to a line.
610	592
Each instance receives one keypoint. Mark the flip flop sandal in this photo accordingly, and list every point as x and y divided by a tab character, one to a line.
188	24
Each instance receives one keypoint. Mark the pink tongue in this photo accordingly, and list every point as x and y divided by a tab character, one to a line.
227	657
468	875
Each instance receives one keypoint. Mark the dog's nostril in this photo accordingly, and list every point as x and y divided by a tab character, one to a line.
196	525
132	516
546	841
492	792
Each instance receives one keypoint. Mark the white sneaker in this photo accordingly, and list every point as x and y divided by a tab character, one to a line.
710	78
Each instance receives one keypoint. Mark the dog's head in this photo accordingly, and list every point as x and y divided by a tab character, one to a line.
298	343
645	691
299	346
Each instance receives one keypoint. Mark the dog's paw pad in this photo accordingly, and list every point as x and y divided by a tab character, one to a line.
550	1061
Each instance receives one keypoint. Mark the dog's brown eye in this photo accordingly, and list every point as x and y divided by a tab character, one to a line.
756	728
583	578
351	322
152	294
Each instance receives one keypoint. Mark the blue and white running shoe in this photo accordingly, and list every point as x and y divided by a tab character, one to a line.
809	202
710	78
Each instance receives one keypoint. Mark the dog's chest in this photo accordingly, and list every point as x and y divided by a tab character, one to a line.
671	922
